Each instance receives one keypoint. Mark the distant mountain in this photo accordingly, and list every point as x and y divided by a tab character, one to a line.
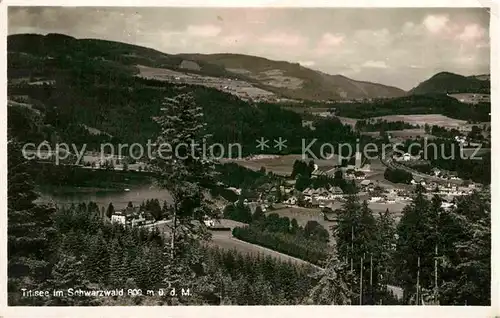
448	83
482	77
87	92
293	80
280	78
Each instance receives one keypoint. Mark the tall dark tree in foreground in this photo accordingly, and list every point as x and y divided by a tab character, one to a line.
333	283
465	259
386	241
183	167
29	229
414	255
110	211
347	229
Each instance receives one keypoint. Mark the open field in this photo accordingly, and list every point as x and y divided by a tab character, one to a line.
281	165
402	134
430	119
225	240
239	88
302	215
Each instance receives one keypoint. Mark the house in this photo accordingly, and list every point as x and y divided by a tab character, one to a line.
447	205
118	218
323	171
375	199
336	190
436	172
365	183
406	157
235	190
308	191
291	201
127	216
461	139
209	222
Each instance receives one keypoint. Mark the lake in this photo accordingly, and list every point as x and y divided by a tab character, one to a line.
66	195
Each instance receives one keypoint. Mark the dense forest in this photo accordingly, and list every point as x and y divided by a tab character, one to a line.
416	104
381	125
122	110
398	175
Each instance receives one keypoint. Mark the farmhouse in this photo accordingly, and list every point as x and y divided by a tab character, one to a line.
209	222
128	216
365	183
291	201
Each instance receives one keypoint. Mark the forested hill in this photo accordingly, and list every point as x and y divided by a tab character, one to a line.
283	78
416	104
294	80
81	99
446	82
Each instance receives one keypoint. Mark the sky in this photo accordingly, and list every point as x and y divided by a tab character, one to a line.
394	46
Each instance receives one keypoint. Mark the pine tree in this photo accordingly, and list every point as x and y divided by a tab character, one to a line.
386	243
184	172
347	229
30	229
368	249
333	285
415	245
115	261
165	210
68	273
465	255
258	214
110	211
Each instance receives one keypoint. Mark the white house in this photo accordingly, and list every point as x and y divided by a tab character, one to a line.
375	199
365	182
130	215
461	139
447	205
209	222
291	201
118	218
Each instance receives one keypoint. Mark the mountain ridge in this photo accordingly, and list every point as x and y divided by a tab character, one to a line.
448	83
285	79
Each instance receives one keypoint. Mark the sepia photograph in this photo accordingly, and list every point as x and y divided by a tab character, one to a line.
248	156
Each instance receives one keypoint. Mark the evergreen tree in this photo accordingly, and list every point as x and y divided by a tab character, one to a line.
465	252
165	210
367	245
415	245
386	244
258	214
68	273
294	226
110	211
30	229
347	228
333	286
184	172
115	260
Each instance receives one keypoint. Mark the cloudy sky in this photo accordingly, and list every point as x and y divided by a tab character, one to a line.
399	47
